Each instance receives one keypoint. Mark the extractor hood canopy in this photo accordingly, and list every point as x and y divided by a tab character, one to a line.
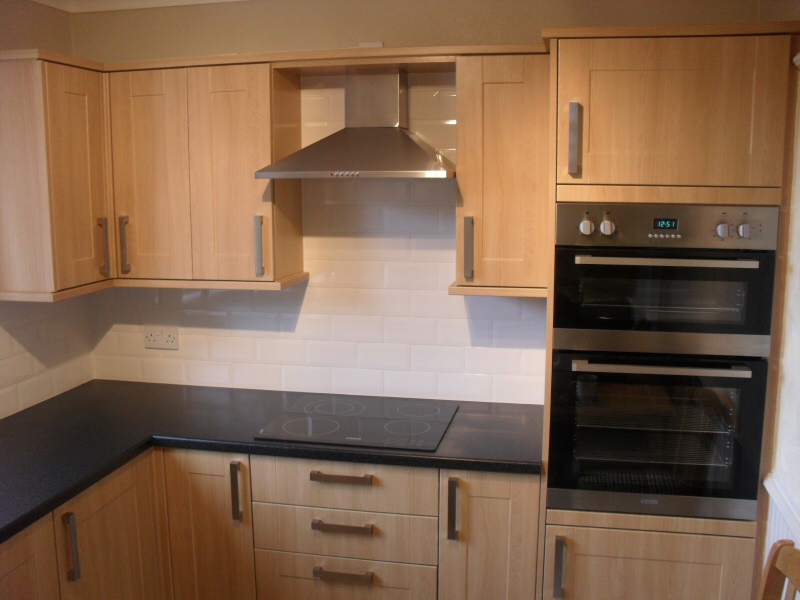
375	142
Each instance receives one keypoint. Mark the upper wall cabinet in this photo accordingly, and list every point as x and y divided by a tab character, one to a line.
692	111
504	217
54	229
186	145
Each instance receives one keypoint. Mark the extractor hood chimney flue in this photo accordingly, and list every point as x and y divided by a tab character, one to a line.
375	142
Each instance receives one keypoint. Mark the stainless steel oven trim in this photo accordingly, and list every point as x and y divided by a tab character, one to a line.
662	342
652	504
687	263
584	366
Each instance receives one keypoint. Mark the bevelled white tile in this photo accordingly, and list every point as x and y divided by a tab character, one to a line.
518	389
231	300
6	344
257	376
535	309
411	220
493	361
190	347
331	354
486	307
35	390
438	358
164	370
388	303
345	274
519	334
410	384
356	219
72	373
441	193
384	356
238	349
411	276
16	368
306	326
284	301
464	332
533	362
281	351
465	386
447	222
383	192
331	301
446	275
408	330
357	381
437	303
306	379
256	324
107	344
124	368
357	328
216	374
132	344
8	402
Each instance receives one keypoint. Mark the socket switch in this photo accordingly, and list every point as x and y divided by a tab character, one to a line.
160	337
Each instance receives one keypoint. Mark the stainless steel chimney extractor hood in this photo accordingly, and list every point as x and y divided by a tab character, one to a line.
375	142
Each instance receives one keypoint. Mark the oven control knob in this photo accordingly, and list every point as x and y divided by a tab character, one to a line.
586	227
723	230
744	231
607	227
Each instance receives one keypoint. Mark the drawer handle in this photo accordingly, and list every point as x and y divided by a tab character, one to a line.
236	505
70	522
319	525
452	506
561	559
574	147
349	479
339	577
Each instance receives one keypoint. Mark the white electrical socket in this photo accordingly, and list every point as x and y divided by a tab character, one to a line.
160	337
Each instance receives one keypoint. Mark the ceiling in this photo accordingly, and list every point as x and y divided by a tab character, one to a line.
79	6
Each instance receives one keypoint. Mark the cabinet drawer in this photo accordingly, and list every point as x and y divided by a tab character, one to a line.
285	575
352	534
350	486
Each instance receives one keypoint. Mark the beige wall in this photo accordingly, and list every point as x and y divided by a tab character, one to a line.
25	24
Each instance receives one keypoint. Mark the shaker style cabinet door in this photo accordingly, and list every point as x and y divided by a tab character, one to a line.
229	127
28	567
210	525
504	217
583	563
488	524
150	137
700	111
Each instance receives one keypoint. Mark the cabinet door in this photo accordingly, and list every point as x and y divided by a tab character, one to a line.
109	539
210	525
673	111
488	524
28	567
229	116
150	138
608	564
77	167
502	170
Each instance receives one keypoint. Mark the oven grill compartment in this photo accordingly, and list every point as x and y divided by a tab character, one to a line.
627	446
685	417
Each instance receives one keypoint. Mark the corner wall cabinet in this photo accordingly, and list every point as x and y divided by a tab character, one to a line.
28	566
503	218
55	234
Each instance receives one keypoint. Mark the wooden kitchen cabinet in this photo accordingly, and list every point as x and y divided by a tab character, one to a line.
673	111
504	217
54	196
604	563
28	565
488	526
210	525
111	538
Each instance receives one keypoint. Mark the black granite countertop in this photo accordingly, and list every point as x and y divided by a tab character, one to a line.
54	450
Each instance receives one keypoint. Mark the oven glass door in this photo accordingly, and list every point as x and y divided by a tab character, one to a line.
699	291
649	427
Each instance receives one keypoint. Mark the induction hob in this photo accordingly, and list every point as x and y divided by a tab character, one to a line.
371	421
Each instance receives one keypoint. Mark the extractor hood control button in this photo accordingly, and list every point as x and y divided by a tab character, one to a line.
723	230
586	227
744	231
607	227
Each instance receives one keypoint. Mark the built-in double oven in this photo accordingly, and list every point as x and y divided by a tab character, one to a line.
661	335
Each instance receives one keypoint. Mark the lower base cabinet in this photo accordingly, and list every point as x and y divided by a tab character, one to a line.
587	563
28	567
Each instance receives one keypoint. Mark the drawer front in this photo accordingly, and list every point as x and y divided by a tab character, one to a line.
349	486
282	575
351	534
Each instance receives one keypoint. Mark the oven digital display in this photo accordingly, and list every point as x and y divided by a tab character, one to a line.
665	223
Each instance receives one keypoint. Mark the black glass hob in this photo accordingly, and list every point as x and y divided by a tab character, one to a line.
372	421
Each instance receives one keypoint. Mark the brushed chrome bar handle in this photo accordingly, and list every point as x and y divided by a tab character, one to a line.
575	126
558	572
452	508
125	266
469	247
70	522
321	477
584	366
320	525
624	261
258	235
105	268
339	576
236	504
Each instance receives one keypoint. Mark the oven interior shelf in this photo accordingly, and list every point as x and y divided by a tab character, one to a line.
651	481
683	417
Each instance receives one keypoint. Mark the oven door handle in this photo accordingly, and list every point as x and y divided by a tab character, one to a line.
693	263
584	366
